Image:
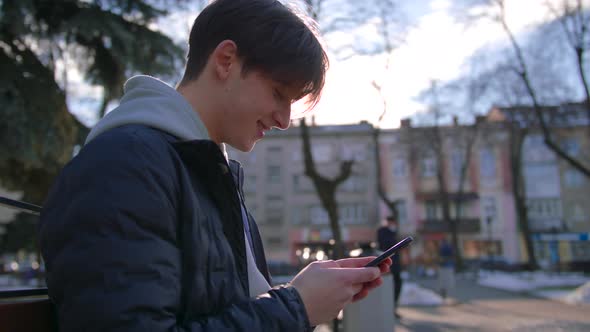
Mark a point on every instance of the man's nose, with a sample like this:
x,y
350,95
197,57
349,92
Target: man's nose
x,y
282,118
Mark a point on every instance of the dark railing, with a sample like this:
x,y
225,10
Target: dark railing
x,y
24,292
22,206
26,309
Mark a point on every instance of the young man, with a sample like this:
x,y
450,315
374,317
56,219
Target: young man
x,y
146,228
387,237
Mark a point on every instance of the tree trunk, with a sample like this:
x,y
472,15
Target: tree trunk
x,y
460,188
517,136
446,211
391,204
326,189
582,73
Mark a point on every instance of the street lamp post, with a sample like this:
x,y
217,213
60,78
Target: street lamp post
x,y
489,228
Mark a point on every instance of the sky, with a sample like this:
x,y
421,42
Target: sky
x,y
436,48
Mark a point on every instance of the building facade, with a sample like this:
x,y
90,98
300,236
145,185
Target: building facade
x,y
557,195
283,200
415,162
476,185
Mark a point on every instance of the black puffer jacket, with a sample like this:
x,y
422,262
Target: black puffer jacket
x,y
142,232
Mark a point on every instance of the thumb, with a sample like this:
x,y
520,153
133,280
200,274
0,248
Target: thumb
x,y
361,274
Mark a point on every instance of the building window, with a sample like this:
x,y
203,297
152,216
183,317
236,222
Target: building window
x,y
252,209
352,213
356,152
457,161
296,155
489,211
274,155
250,184
318,215
274,241
251,157
461,207
573,178
321,153
571,146
431,210
544,208
354,183
399,167
578,213
402,213
487,163
535,150
428,167
540,249
274,209
580,250
297,215
302,183
273,174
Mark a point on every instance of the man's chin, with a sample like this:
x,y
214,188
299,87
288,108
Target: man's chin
x,y
244,147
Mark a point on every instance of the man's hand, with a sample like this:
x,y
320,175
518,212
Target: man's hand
x,y
327,286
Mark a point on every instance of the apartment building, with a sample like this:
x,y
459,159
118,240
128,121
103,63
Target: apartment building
x,y
294,225
480,197
284,202
558,196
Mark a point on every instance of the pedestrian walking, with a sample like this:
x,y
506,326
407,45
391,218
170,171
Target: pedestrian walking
x,y
387,236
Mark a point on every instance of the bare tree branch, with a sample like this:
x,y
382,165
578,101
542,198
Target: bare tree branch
x,y
524,75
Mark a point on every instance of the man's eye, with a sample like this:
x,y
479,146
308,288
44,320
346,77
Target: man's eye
x,y
277,94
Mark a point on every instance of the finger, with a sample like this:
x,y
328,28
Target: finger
x,y
325,264
367,288
355,262
385,265
374,284
360,295
358,275
357,288
387,261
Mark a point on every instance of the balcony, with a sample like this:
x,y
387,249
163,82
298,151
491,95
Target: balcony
x,y
465,226
453,196
545,225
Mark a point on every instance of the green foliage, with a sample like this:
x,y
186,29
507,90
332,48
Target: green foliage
x,y
36,130
109,41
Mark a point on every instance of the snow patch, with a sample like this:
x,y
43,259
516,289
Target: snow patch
x,y
579,296
529,281
412,294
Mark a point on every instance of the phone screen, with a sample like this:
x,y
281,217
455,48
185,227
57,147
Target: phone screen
x,y
390,252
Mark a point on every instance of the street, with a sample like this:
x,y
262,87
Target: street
x,y
484,309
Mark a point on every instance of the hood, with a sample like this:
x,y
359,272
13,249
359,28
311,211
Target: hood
x,y
153,103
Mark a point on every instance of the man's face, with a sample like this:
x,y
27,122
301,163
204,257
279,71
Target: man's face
x,y
253,105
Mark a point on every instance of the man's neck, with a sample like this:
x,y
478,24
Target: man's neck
x,y
201,96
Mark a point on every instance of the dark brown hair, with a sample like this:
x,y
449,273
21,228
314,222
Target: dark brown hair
x,y
270,37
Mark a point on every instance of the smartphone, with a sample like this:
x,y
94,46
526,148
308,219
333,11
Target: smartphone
x,y
390,252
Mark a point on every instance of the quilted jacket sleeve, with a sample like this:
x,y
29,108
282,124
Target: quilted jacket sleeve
x,y
108,237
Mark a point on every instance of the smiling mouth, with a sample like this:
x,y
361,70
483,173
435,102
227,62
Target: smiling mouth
x,y
265,128
261,129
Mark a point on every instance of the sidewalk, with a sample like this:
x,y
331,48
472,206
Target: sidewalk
x,y
467,289
479,308
473,307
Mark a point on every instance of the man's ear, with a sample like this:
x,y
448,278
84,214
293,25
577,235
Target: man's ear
x,y
224,58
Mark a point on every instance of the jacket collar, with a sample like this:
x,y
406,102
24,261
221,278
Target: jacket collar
x,y
205,158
